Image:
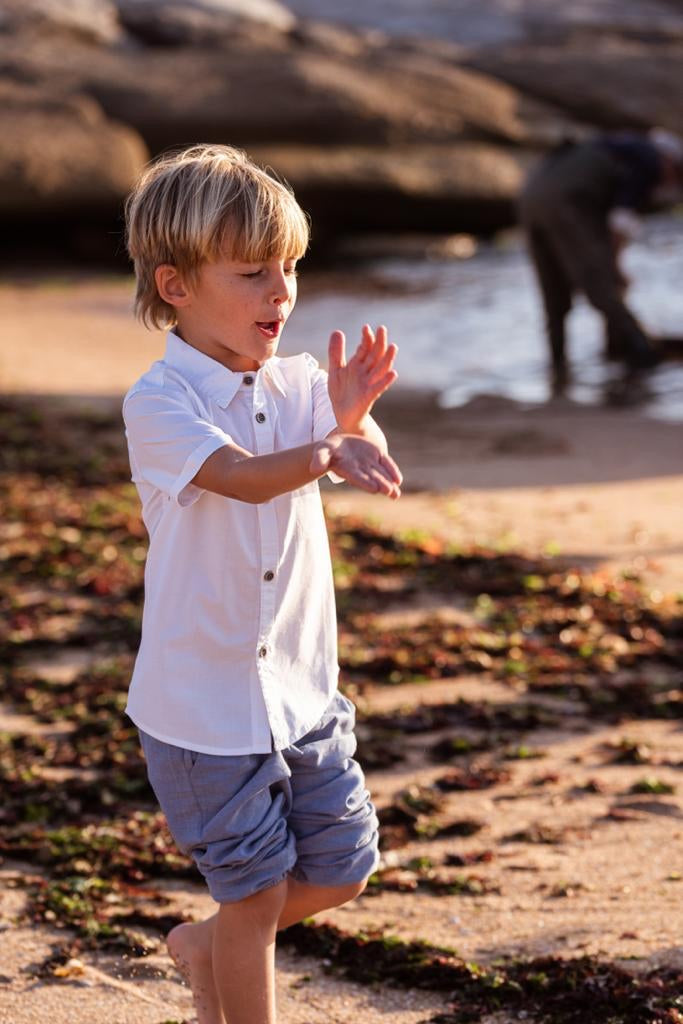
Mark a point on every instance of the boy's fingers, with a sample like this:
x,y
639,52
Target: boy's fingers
x,y
384,485
384,470
382,374
395,473
360,478
385,363
381,341
367,341
378,387
366,469
336,352
389,487
378,350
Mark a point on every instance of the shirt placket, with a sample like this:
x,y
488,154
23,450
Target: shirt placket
x,y
264,433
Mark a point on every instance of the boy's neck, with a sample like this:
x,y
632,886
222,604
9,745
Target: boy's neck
x,y
226,357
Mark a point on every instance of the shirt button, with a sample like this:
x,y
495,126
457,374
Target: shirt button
x,y
262,652
268,576
260,417
248,379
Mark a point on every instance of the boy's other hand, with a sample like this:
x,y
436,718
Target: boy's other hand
x,y
359,462
354,387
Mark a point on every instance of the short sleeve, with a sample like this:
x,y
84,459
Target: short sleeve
x,y
168,442
324,420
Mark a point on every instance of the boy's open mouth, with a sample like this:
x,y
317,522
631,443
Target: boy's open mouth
x,y
271,328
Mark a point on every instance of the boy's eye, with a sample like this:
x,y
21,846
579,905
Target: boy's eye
x,y
290,271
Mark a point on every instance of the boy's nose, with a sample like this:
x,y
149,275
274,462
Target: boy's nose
x,y
280,289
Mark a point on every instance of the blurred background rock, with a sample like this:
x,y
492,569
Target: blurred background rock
x,y
387,116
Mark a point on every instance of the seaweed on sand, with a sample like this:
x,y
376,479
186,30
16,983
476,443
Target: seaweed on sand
x,y
550,990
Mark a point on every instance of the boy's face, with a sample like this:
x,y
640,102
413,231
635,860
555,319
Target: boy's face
x,y
235,311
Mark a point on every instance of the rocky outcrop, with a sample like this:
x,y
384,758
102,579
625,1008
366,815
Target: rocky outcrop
x,y
200,22
91,20
65,157
409,188
304,91
606,62
605,81
155,22
374,131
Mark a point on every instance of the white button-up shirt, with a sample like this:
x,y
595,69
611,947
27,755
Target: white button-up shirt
x,y
238,651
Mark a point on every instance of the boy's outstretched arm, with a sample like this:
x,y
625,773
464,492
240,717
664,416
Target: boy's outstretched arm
x,y
357,451
354,387
235,473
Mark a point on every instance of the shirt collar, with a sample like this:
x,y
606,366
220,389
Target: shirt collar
x,y
210,376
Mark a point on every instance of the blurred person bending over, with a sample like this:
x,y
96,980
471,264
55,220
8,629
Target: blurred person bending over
x,y
579,209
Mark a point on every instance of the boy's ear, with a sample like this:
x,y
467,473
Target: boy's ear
x,y
171,286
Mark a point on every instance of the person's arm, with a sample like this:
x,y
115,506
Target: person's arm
x,y
354,387
625,225
235,473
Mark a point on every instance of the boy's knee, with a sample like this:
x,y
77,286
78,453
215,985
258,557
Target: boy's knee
x,y
350,891
262,908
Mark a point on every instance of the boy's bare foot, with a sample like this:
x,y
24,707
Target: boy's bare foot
x,y
190,947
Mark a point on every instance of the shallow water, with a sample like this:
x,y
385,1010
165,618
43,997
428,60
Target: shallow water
x,y
467,327
486,22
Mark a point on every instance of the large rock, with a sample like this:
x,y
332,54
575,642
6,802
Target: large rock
x,y
200,22
375,133
286,88
606,62
64,158
467,186
92,20
159,22
395,133
608,82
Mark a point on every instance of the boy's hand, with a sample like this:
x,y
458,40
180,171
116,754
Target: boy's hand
x,y
359,462
354,387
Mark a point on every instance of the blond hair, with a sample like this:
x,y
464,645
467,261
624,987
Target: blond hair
x,y
192,207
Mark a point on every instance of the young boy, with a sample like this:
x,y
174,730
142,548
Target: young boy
x,y
249,746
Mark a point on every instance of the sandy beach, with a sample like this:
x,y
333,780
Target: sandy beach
x,y
603,488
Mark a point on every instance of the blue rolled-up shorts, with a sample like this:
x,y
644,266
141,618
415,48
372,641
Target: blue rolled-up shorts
x,y
250,820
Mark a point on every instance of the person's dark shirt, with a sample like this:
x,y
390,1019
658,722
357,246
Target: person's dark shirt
x,y
640,166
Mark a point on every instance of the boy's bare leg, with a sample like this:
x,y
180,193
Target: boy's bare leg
x,y
305,900
244,956
190,945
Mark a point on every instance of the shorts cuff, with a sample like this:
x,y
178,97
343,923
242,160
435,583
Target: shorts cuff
x,y
225,888
356,868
